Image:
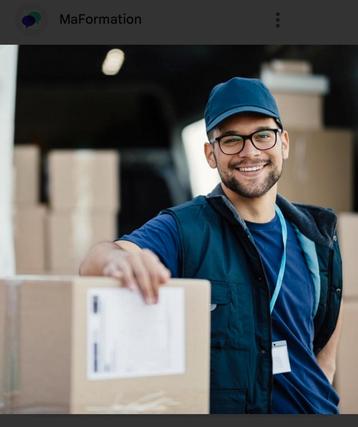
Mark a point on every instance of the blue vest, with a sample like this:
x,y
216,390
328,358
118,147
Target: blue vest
x,y
216,245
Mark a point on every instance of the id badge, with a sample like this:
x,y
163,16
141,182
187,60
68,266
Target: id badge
x,y
280,360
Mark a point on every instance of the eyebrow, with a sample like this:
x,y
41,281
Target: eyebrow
x,y
233,132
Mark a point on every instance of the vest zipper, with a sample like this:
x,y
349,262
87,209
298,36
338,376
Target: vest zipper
x,y
257,253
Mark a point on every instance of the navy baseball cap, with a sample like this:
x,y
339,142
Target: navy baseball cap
x,y
239,95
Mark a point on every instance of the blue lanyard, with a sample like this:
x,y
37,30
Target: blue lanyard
x,y
283,259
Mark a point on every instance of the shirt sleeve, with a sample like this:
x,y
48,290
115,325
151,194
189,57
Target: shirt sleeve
x,y
160,235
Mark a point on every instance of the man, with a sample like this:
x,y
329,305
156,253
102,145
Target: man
x,y
274,266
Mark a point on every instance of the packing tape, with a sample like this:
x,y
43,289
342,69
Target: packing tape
x,y
153,403
82,232
84,165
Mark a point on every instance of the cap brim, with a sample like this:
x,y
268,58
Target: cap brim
x,y
237,110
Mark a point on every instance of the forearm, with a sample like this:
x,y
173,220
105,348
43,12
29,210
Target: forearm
x,y
327,363
97,258
326,358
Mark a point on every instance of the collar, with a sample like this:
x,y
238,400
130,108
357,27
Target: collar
x,y
316,223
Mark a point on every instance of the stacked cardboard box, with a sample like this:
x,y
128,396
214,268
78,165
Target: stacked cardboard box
x,y
319,169
29,215
298,92
83,345
3,304
26,175
346,379
84,201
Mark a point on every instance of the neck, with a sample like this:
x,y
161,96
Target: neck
x,y
258,209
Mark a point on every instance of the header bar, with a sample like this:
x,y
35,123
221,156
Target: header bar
x,y
174,22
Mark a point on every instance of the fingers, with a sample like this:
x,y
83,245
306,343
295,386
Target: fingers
x,y
159,273
139,270
156,275
120,269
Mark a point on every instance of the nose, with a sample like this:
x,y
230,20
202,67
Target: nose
x,y
249,149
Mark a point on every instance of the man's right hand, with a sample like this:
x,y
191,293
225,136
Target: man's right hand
x,y
138,269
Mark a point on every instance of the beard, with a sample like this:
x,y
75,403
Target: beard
x,y
254,189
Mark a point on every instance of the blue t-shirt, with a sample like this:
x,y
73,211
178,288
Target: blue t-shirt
x,y
161,236
305,389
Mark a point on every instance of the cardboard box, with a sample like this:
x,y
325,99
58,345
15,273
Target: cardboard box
x,y
295,82
299,95
71,235
348,240
26,174
300,110
84,179
346,378
29,231
3,395
57,327
319,169
288,66
8,343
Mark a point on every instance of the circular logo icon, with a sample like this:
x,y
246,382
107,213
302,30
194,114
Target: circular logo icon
x,y
33,18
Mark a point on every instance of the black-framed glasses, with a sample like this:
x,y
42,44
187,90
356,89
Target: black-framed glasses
x,y
232,143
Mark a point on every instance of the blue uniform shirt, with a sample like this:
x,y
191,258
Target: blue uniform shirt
x,y
305,389
161,236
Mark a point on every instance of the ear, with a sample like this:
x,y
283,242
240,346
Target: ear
x,y
285,144
209,154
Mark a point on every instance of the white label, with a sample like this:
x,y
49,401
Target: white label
x,y
280,360
128,338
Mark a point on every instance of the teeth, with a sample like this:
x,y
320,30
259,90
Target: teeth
x,y
251,169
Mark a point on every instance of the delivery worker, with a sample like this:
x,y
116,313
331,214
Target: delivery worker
x,y
274,266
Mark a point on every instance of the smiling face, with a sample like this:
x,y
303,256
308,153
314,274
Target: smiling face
x,y
251,173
